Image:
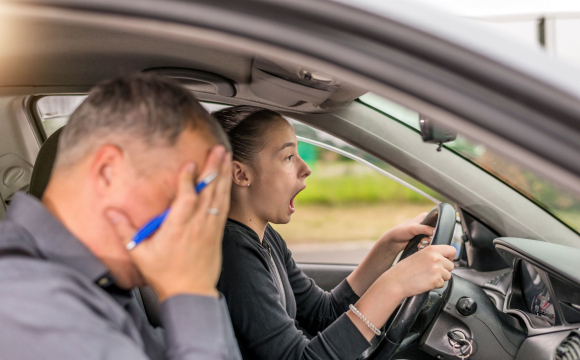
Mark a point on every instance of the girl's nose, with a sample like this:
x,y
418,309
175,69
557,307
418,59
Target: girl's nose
x,y
307,170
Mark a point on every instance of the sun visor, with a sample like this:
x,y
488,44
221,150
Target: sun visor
x,y
290,85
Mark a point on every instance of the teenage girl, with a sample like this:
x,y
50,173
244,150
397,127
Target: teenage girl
x,y
270,299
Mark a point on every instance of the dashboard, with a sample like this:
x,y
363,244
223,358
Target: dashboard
x,y
537,297
534,314
544,294
545,284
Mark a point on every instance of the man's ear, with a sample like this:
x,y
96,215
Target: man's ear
x,y
106,167
240,175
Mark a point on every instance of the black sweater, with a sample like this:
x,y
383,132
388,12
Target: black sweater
x,y
265,324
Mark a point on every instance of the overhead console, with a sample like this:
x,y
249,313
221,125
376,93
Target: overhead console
x,y
291,85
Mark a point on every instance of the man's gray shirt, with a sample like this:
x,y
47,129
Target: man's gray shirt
x,y
57,301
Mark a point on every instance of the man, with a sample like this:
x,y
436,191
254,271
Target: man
x,y
134,148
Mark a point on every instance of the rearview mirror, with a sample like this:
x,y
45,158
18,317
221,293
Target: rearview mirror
x,y
435,133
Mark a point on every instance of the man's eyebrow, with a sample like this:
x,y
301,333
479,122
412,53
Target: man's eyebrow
x,y
288,144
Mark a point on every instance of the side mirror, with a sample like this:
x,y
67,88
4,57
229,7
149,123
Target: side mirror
x,y
435,133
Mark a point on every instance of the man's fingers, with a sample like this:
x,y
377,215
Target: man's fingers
x,y
213,164
221,199
184,203
121,224
188,202
186,179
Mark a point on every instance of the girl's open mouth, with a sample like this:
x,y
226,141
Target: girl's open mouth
x,y
291,205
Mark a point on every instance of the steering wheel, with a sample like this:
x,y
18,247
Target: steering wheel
x,y
442,218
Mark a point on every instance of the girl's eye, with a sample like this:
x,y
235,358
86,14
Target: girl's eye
x,y
289,157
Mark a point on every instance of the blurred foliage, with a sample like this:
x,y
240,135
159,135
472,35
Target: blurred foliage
x,y
562,203
343,181
356,189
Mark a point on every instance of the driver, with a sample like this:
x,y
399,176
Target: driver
x,y
270,299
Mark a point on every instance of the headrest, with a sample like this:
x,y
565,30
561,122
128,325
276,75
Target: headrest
x,y
43,165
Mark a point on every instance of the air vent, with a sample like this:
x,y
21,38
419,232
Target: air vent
x,y
569,349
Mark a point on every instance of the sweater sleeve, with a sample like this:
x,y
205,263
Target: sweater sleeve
x,y
262,326
316,308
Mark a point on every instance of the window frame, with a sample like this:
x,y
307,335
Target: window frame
x,y
34,117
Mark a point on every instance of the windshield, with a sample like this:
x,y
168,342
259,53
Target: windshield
x,y
562,204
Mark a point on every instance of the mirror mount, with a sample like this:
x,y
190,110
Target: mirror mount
x,y
435,133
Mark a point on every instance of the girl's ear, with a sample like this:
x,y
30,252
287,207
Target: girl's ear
x,y
240,174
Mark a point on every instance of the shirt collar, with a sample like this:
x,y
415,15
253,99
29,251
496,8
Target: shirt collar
x,y
244,228
265,243
53,240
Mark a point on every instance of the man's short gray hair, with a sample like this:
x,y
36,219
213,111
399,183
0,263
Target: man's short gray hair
x,y
140,107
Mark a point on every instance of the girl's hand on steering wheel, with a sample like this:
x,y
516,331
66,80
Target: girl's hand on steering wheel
x,y
397,238
422,271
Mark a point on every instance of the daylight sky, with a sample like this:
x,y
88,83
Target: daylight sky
x,y
478,8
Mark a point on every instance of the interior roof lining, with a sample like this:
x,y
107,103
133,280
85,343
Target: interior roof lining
x,y
53,61
211,37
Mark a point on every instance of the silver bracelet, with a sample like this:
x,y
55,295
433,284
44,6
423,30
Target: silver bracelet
x,y
365,320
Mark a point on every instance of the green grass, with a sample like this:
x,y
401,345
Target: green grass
x,y
366,188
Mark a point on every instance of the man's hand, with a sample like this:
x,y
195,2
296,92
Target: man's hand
x,y
184,255
397,238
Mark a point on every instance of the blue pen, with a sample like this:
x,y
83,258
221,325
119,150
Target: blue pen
x,y
154,224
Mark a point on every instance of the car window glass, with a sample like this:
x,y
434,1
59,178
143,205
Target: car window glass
x,y
54,111
559,202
